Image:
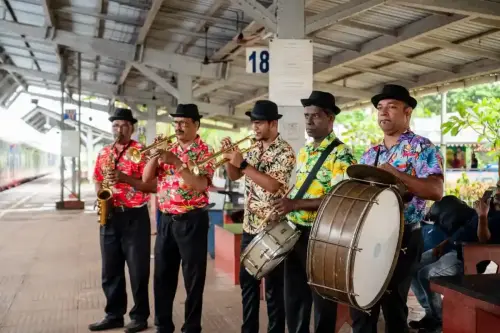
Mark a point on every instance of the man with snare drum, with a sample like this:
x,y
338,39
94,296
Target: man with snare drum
x,y
268,167
321,165
417,163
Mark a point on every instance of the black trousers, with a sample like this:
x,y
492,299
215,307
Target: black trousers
x,y
126,238
181,238
393,303
299,297
250,296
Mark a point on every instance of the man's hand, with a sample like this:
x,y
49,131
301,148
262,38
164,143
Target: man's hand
x,y
226,143
168,157
234,157
482,207
115,176
389,168
438,251
284,206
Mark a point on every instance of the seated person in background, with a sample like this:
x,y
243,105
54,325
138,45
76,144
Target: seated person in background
x,y
445,259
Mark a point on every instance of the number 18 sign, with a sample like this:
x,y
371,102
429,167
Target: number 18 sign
x,y
257,60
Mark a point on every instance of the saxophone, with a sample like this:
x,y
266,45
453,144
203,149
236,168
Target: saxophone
x,y
105,194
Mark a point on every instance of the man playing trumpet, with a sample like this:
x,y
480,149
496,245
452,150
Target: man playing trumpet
x,y
183,227
268,167
126,234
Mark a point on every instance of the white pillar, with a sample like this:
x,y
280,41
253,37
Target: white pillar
x,y
151,124
442,141
185,87
90,154
291,71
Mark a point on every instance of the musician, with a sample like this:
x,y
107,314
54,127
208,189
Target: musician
x,y
267,170
333,158
126,236
182,234
416,162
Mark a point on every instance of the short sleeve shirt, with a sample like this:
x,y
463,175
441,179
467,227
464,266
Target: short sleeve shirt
x,y
414,155
331,172
174,195
277,161
124,195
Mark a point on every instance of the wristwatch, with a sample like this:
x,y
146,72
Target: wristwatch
x,y
243,165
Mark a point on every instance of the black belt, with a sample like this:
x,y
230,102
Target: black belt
x,y
123,209
190,214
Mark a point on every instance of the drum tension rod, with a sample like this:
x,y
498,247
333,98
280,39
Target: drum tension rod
x,y
332,289
353,198
345,247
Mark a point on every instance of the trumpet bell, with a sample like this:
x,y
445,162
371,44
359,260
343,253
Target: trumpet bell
x,y
134,154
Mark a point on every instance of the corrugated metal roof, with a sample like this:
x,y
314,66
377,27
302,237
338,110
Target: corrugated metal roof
x,y
179,27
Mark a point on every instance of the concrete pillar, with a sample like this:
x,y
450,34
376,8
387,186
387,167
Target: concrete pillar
x,y
151,124
185,87
90,153
291,71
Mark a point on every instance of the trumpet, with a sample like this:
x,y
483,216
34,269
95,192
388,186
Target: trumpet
x,y
224,160
196,168
135,155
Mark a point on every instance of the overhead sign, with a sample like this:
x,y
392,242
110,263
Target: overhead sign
x,y
70,143
257,60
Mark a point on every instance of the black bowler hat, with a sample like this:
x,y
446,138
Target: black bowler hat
x,y
323,100
264,110
394,91
187,111
123,114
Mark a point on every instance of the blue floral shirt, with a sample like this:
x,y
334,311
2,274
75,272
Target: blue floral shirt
x,y
413,155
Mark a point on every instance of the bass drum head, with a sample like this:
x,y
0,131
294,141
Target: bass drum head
x,y
379,238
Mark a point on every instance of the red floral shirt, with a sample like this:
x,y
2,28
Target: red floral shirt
x,y
174,196
123,194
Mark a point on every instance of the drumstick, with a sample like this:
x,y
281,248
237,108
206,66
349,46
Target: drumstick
x,y
266,219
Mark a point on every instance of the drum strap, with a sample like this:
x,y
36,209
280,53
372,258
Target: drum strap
x,y
310,177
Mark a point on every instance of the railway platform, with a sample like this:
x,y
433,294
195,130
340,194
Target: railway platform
x,y
50,269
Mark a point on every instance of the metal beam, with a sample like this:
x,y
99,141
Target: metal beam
x,y
480,8
405,34
117,50
460,48
339,13
160,81
258,12
148,22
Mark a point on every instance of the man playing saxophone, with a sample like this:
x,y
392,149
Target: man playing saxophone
x,y
125,236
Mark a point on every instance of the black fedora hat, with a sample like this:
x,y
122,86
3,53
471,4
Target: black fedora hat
x,y
397,92
264,110
323,100
123,114
187,111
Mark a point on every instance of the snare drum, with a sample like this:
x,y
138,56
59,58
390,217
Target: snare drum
x,y
355,242
268,249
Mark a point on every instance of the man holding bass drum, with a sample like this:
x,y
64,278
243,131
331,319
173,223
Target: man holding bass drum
x,y
321,165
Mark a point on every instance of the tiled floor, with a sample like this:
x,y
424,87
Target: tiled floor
x,y
50,269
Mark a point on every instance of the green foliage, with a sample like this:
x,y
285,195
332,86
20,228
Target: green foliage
x,y
361,130
467,190
482,116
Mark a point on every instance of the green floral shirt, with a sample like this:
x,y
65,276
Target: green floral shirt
x,y
331,172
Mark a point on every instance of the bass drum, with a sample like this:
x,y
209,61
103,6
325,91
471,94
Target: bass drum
x,y
355,241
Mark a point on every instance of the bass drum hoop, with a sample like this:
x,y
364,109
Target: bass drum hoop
x,y
355,240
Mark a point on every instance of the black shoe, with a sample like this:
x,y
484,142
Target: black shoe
x,y
136,326
106,324
427,322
